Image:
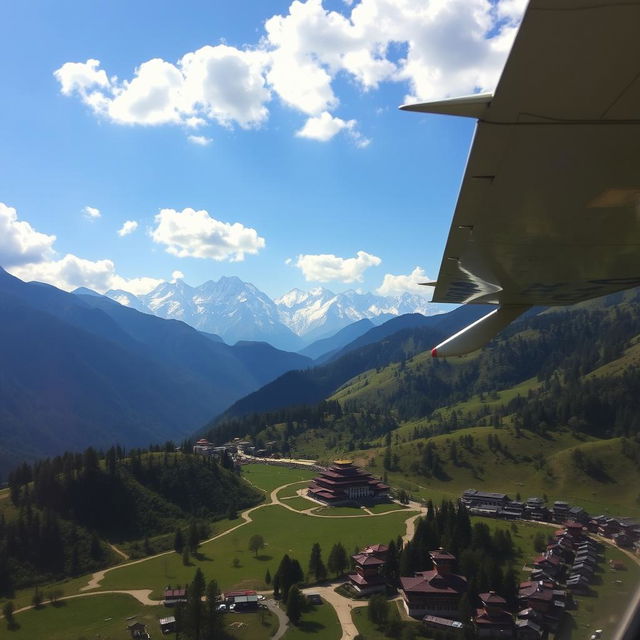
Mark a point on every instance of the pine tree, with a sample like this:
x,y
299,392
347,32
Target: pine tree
x,y
315,561
338,561
267,578
295,602
212,620
178,541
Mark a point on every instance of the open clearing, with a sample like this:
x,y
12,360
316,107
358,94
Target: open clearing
x,y
103,616
319,621
284,531
269,476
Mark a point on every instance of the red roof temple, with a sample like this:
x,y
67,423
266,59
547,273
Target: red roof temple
x,y
343,483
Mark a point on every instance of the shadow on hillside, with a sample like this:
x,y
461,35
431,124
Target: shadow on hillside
x,y
310,626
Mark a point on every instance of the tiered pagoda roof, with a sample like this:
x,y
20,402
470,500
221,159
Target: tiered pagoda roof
x,y
343,482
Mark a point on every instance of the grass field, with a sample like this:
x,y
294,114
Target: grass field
x,y
529,464
276,525
339,511
259,625
269,476
386,507
102,616
292,490
320,622
605,608
106,617
300,504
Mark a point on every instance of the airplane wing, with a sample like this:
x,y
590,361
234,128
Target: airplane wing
x,y
549,208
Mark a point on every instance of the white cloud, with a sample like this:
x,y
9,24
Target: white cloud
x,y
324,127
81,77
92,213
433,49
29,255
177,275
196,234
396,285
328,267
71,272
201,141
20,243
128,227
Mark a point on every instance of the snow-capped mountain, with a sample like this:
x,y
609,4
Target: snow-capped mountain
x,y
320,312
233,309
236,310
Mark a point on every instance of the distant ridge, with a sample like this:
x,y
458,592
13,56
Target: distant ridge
x,y
80,370
237,310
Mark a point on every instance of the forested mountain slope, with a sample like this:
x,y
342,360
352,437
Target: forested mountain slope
x,y
61,512
575,366
78,370
312,385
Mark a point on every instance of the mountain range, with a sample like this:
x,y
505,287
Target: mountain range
x,y
237,310
80,369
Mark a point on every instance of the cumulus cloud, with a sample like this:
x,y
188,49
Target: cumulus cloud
x,y
20,243
323,127
30,255
92,213
431,49
328,267
201,141
177,275
71,272
191,233
397,285
128,227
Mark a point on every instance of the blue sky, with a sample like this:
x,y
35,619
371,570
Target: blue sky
x,y
257,139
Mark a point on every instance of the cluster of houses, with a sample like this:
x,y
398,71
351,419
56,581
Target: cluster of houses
x,y
625,532
565,568
205,448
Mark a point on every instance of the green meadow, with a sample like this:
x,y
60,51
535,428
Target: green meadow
x,y
284,531
318,621
269,476
101,616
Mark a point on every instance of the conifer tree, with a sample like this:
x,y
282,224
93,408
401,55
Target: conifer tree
x,y
295,602
178,541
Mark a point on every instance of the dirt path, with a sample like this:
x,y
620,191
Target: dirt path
x,y
141,595
272,605
98,576
343,607
367,514
120,552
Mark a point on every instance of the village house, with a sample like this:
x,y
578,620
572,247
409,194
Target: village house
x,y
475,498
167,625
138,631
367,577
173,597
492,620
344,483
436,592
528,630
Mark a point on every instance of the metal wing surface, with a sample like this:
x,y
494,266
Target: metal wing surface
x,y
549,208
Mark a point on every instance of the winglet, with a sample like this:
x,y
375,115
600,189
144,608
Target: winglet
x,y
473,106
